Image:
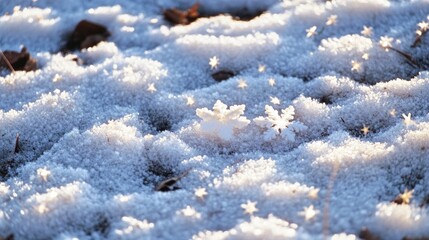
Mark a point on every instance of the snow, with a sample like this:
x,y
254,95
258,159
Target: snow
x,y
275,152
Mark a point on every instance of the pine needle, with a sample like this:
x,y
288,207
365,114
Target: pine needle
x,y
7,62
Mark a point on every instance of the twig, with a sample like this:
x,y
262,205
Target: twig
x,y
165,185
17,147
419,38
407,57
328,200
7,61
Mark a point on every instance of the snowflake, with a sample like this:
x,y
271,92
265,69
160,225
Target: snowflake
x,y
311,31
407,119
332,20
249,207
279,124
214,62
242,84
190,100
365,130
313,193
271,82
309,212
386,42
275,100
404,198
222,121
367,31
200,193
151,87
43,173
356,66
424,26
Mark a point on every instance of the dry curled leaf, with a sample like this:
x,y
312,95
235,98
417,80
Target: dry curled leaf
x,y
86,34
365,234
176,16
246,15
168,184
223,75
19,61
326,99
416,238
8,237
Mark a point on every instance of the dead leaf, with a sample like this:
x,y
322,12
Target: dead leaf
x,y
5,166
365,234
246,15
223,75
8,237
86,34
185,17
176,16
326,99
19,61
416,238
168,184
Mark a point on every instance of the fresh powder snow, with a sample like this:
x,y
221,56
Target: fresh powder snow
x,y
308,121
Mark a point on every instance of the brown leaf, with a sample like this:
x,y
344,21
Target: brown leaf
x,y
86,34
176,16
192,13
5,166
326,99
168,184
223,75
246,15
8,237
416,238
365,234
19,61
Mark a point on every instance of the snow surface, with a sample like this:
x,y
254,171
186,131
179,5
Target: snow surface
x,y
284,133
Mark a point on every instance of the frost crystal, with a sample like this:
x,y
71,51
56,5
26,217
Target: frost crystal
x,y
222,121
249,207
311,31
279,124
367,31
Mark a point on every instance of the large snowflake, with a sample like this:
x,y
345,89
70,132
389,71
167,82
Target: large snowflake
x,y
222,121
279,124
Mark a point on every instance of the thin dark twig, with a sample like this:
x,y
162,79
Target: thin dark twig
x,y
7,61
17,147
407,57
327,200
419,38
165,185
